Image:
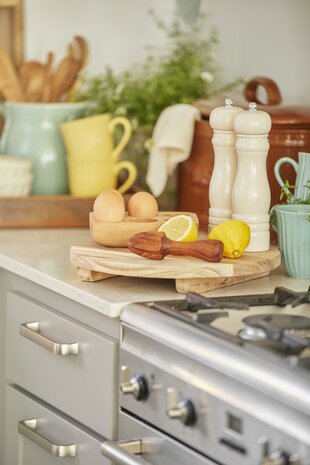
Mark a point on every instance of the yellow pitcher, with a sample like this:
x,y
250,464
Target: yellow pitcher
x,y
92,156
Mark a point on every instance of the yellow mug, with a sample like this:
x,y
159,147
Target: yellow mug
x,y
87,178
93,136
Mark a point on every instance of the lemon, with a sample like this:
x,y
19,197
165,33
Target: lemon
x,y
180,228
235,236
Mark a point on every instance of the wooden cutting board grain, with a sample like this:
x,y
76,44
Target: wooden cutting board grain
x,y
95,262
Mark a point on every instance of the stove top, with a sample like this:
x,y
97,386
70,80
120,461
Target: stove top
x,y
241,364
277,322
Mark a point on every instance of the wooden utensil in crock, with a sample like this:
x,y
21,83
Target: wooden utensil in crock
x,y
290,134
10,85
32,78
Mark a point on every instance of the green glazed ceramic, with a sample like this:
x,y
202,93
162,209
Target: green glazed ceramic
x,y
302,169
32,130
293,230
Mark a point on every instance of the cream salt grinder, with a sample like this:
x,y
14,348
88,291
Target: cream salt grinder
x,y
225,163
251,191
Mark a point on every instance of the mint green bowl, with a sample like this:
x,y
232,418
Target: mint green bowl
x,y
293,228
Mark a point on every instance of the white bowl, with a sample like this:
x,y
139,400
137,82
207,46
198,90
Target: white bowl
x,y
18,187
12,167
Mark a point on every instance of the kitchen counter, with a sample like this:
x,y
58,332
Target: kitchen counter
x,y
43,256
39,284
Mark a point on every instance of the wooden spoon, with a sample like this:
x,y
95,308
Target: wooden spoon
x,y
80,50
48,77
32,78
64,77
156,245
10,85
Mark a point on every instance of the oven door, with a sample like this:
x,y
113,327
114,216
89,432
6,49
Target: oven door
x,y
142,445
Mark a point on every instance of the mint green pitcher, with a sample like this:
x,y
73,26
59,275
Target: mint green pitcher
x,y
32,130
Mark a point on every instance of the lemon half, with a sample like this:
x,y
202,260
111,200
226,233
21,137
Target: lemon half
x,y
235,236
180,228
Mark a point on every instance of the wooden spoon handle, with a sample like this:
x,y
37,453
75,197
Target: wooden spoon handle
x,y
210,250
47,86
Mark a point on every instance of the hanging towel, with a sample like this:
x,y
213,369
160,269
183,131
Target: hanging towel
x,y
172,142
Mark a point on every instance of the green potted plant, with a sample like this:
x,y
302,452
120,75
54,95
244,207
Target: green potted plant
x,y
183,72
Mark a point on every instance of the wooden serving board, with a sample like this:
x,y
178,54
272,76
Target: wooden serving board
x,y
95,262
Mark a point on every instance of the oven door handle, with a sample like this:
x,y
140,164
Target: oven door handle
x,y
125,452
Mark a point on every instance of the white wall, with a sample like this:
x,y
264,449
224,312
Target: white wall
x,y
257,37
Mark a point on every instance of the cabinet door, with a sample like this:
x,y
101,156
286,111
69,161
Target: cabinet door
x,y
82,384
34,442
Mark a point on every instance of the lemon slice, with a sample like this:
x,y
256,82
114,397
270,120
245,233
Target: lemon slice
x,y
180,228
235,236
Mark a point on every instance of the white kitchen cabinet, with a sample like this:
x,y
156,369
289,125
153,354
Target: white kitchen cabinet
x,y
80,384
37,435
74,396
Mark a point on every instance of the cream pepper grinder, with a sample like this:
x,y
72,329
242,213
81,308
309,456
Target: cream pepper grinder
x,y
225,163
251,191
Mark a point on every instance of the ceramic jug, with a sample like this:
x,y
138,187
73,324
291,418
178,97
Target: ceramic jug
x,y
32,130
302,169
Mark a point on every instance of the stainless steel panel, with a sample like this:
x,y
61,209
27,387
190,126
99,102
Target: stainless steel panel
x,y
219,400
166,452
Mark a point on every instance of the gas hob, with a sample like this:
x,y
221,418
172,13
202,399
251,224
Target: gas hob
x,y
226,377
278,323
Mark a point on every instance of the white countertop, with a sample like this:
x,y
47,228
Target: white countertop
x,y
43,256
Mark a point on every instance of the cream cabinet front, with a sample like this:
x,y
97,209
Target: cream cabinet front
x,y
62,362
58,377
36,435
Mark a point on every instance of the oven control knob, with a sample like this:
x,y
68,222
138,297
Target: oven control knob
x,y
135,385
182,410
276,457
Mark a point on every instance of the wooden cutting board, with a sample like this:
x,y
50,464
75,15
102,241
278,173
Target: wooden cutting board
x,y
95,262
11,29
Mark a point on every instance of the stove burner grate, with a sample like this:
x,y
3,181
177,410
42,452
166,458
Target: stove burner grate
x,y
280,297
287,334
289,331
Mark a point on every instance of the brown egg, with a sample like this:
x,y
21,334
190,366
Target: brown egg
x,y
109,206
143,205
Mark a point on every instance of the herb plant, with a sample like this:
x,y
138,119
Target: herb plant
x,y
290,198
183,72
286,193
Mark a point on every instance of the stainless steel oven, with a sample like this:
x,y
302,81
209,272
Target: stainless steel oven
x,y
211,381
148,446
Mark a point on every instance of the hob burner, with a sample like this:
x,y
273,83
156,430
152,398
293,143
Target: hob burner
x,y
238,320
292,332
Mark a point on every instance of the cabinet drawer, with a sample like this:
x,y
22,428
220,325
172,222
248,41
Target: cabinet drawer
x,y
83,384
53,434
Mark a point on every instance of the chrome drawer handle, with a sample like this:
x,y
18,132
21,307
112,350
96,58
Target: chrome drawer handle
x,y
124,452
28,429
31,331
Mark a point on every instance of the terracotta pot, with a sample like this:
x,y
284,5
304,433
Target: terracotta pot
x,y
290,134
